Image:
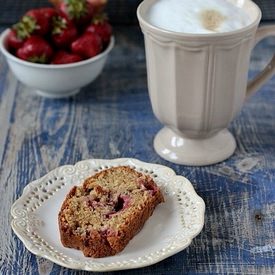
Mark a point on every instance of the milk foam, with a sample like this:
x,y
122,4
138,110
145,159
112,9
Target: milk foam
x,y
198,16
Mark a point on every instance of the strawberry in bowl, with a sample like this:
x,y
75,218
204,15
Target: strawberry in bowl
x,y
55,50
64,77
35,49
70,25
88,45
63,57
79,11
101,27
63,32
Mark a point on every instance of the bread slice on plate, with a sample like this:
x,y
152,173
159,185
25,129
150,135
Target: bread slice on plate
x,y
102,215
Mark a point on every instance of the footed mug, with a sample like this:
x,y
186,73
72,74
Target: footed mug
x,y
197,84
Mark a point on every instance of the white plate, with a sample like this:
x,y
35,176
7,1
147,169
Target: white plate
x,y
169,230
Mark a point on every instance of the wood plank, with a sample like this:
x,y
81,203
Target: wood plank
x,y
112,118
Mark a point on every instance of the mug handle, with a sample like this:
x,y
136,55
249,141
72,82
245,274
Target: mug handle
x,y
256,83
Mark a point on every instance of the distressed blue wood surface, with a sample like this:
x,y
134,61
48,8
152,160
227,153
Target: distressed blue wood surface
x,y
112,118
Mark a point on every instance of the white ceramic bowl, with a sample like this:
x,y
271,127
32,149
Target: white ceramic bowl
x,y
55,81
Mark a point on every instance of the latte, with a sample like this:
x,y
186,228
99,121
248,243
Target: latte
x,y
198,16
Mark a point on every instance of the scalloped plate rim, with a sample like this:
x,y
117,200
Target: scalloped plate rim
x,y
27,243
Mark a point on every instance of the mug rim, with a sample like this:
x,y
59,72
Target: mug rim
x,y
172,34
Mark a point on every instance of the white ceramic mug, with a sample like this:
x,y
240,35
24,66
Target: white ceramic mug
x,y
198,83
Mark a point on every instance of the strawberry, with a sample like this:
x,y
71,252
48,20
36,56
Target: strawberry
x,y
33,22
62,57
63,32
13,40
87,45
35,49
79,11
101,27
38,20
49,12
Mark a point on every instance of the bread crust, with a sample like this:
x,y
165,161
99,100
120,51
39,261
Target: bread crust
x,y
102,243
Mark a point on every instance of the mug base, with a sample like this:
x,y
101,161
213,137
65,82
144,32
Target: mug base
x,y
194,152
57,94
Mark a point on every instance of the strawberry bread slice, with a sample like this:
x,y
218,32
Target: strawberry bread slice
x,y
101,216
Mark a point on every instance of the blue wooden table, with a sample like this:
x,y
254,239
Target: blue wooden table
x,y
112,118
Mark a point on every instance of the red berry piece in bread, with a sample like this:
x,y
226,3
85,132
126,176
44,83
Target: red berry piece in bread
x,y
101,27
63,32
14,41
87,45
35,49
63,57
79,11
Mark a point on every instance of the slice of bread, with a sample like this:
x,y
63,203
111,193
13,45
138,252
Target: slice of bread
x,y
101,216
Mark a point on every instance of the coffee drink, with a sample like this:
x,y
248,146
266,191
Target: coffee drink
x,y
198,16
197,60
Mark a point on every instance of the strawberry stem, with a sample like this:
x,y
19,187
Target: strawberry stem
x,y
59,24
76,8
25,27
38,59
100,18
